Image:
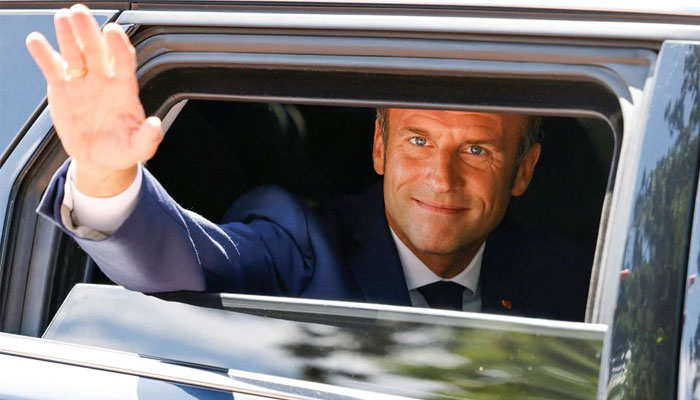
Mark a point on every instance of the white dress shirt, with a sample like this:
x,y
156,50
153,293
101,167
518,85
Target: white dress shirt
x,y
418,275
105,215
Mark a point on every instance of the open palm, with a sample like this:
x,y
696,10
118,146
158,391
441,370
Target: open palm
x,y
93,93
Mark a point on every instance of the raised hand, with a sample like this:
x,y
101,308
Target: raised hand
x,y
94,101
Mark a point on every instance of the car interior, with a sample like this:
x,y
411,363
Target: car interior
x,y
318,152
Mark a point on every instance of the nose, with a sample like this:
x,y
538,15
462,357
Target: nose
x,y
443,174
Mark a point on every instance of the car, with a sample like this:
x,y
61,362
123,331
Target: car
x,y
290,88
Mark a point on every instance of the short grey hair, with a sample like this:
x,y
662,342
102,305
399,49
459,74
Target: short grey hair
x,y
533,132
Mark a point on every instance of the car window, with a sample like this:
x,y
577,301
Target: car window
x,y
22,86
216,150
415,353
384,349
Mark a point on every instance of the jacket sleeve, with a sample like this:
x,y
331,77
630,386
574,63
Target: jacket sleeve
x,y
163,247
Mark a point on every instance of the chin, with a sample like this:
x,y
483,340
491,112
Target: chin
x,y
446,241
436,245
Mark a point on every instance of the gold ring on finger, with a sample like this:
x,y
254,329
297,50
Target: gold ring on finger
x,y
75,73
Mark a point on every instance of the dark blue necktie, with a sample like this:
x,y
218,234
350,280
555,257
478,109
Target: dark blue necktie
x,y
445,295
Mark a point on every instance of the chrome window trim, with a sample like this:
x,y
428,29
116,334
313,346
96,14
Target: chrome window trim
x,y
357,310
593,6
570,28
566,329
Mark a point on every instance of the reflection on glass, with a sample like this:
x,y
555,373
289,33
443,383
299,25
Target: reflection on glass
x,y
689,371
409,353
644,348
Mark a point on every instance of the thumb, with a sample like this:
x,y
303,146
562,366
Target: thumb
x,y
145,141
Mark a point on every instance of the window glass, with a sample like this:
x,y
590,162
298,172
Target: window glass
x,y
22,87
392,350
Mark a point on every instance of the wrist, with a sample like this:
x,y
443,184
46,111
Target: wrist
x,y
97,181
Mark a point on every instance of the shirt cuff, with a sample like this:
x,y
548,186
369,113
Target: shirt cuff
x,y
101,214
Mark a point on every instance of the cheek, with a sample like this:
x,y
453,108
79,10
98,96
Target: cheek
x,y
401,172
488,187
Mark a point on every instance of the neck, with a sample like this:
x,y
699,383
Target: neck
x,y
445,266
448,266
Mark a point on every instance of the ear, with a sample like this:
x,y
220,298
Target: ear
x,y
378,150
525,170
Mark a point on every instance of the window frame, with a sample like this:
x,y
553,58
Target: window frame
x,y
174,55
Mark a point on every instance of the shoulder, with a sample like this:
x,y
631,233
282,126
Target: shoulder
x,y
341,217
543,250
549,274
265,202
359,215
276,203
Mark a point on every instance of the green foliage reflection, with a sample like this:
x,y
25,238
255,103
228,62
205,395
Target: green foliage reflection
x,y
443,362
644,362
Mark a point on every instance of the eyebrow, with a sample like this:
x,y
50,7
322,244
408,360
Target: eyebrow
x,y
423,132
414,130
482,141
417,131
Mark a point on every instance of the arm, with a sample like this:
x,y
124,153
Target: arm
x,y
162,247
102,214
93,96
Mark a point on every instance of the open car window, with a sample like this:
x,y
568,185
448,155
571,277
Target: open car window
x,y
318,152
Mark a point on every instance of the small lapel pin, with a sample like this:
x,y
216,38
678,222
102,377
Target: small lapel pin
x,y
506,303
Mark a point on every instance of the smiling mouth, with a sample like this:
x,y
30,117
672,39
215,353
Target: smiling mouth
x,y
442,209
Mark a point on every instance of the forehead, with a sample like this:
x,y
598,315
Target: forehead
x,y
443,119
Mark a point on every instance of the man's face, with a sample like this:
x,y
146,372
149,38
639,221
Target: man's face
x,y
449,175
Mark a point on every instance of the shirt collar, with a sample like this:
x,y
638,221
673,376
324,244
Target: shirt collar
x,y
418,274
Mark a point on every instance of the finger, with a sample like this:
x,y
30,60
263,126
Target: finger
x,y
88,33
123,53
48,60
146,140
67,42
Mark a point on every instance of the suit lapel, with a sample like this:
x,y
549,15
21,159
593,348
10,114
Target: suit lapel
x,y
373,257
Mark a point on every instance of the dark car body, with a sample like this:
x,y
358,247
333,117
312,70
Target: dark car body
x,y
636,72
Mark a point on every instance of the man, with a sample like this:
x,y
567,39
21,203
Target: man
x,y
427,237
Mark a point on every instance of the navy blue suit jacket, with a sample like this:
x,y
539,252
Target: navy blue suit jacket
x,y
270,243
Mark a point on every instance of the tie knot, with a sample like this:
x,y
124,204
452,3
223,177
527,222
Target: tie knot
x,y
446,295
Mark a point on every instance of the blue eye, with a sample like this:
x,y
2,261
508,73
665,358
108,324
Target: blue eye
x,y
418,141
476,150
